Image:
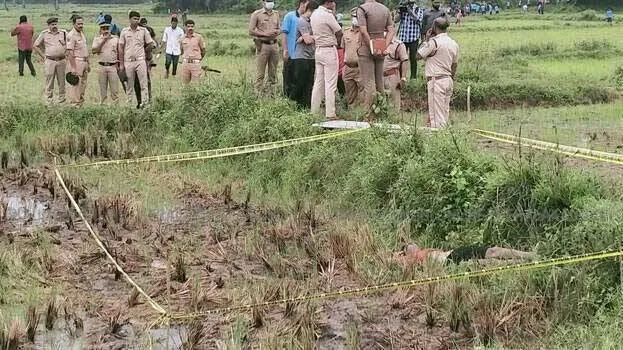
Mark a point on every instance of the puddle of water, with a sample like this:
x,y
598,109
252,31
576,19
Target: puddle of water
x,y
21,208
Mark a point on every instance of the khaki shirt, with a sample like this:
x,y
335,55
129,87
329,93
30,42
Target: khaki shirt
x,y
77,42
265,22
397,54
440,52
134,41
351,41
53,44
324,26
192,46
376,18
108,52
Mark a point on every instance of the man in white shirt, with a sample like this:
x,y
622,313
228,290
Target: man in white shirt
x,y
172,39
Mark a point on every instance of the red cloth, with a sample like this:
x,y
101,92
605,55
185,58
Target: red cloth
x,y
340,58
24,32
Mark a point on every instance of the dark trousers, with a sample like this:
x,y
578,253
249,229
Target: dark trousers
x,y
171,59
341,89
25,56
304,82
137,88
289,77
412,50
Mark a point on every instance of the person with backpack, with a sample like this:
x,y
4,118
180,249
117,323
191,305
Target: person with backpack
x,y
395,74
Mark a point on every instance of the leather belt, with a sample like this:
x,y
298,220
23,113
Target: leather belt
x,y
54,58
85,59
437,77
390,72
269,42
134,59
190,60
107,64
326,46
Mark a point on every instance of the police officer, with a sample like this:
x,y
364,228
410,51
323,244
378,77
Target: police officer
x,y
51,46
105,45
442,55
374,21
134,42
193,51
395,74
351,41
78,57
264,28
430,15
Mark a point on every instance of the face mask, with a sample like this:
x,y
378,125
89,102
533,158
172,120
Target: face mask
x,y
354,22
269,5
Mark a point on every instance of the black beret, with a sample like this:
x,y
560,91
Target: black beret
x,y
52,20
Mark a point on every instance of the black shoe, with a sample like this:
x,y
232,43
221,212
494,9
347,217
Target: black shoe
x,y
33,74
21,74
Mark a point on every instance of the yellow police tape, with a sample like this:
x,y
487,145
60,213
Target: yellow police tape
x,y
411,283
219,153
101,245
552,147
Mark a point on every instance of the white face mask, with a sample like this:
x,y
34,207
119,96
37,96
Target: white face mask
x,y
354,22
269,5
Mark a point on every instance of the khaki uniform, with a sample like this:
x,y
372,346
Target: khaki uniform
x,y
191,48
107,74
135,60
324,26
54,47
77,43
440,53
377,19
352,78
393,70
267,49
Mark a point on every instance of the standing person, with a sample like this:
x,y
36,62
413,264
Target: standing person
x,y
411,17
134,43
288,43
193,51
609,15
459,17
340,60
327,34
264,28
374,21
304,62
540,6
442,55
149,56
105,45
395,75
435,12
114,28
78,57
51,46
171,40
24,32
353,88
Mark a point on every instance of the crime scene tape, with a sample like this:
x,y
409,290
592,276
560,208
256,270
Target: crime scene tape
x,y
552,147
218,153
411,283
101,245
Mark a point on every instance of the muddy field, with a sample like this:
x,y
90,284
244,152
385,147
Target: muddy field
x,y
211,252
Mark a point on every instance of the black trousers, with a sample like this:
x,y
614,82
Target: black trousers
x,y
25,56
137,88
304,82
171,59
289,77
412,50
341,88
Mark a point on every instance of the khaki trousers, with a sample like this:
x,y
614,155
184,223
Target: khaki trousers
x,y
107,77
353,86
268,55
133,69
439,94
325,80
371,75
392,87
54,70
191,72
76,92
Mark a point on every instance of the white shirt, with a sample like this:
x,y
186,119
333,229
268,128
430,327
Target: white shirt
x,y
173,38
